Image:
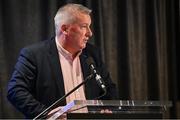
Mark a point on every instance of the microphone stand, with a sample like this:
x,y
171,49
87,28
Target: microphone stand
x,y
44,113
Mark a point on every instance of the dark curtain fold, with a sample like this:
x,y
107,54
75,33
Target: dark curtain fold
x,y
138,40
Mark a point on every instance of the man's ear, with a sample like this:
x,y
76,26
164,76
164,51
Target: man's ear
x,y
64,29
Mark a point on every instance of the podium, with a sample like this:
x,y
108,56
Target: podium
x,y
117,109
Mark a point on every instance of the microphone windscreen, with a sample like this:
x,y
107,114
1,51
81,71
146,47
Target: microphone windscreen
x,y
90,61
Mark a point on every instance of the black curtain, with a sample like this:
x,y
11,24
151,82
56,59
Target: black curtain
x,y
138,40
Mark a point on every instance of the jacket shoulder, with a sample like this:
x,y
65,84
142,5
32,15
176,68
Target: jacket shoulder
x,y
39,47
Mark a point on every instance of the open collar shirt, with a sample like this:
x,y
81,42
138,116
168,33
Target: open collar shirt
x,y
72,73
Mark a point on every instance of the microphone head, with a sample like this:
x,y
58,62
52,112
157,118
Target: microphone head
x,y
91,64
90,61
97,76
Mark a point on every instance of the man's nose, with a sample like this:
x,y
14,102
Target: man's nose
x,y
89,32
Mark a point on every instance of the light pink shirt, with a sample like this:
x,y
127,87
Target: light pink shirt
x,y
72,73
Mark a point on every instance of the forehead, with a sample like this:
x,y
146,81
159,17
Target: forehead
x,y
83,18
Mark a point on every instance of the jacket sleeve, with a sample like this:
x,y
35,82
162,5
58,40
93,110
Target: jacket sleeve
x,y
22,83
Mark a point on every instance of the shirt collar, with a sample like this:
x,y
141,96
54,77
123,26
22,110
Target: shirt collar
x,y
64,52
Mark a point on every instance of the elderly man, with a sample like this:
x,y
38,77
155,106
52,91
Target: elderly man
x,y
49,69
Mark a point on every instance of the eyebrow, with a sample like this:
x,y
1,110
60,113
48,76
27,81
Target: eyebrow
x,y
85,24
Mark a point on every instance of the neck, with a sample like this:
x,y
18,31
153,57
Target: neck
x,y
62,41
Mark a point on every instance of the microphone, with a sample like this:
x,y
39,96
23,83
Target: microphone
x,y
44,113
97,77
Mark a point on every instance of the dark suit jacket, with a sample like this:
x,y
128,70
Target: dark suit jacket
x,y
37,80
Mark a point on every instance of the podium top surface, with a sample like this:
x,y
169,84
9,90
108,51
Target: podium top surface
x,y
116,106
121,103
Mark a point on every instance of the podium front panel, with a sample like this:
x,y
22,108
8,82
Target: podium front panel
x,y
89,109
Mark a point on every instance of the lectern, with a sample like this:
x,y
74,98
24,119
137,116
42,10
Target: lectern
x,y
119,109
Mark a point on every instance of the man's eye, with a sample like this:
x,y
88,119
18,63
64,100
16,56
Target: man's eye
x,y
83,26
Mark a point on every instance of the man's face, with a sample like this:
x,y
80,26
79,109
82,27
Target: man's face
x,y
78,33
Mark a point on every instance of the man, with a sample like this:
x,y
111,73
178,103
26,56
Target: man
x,y
48,70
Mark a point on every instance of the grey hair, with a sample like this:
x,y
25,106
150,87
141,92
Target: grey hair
x,y
68,14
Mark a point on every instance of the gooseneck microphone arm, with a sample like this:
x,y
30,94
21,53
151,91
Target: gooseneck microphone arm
x,y
44,113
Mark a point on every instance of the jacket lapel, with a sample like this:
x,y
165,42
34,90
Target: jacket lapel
x,y
86,73
84,66
55,65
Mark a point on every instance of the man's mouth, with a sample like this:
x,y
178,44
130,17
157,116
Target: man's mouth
x,y
86,40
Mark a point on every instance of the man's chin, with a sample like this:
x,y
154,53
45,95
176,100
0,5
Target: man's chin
x,y
82,47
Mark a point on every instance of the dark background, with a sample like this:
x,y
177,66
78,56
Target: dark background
x,y
138,40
